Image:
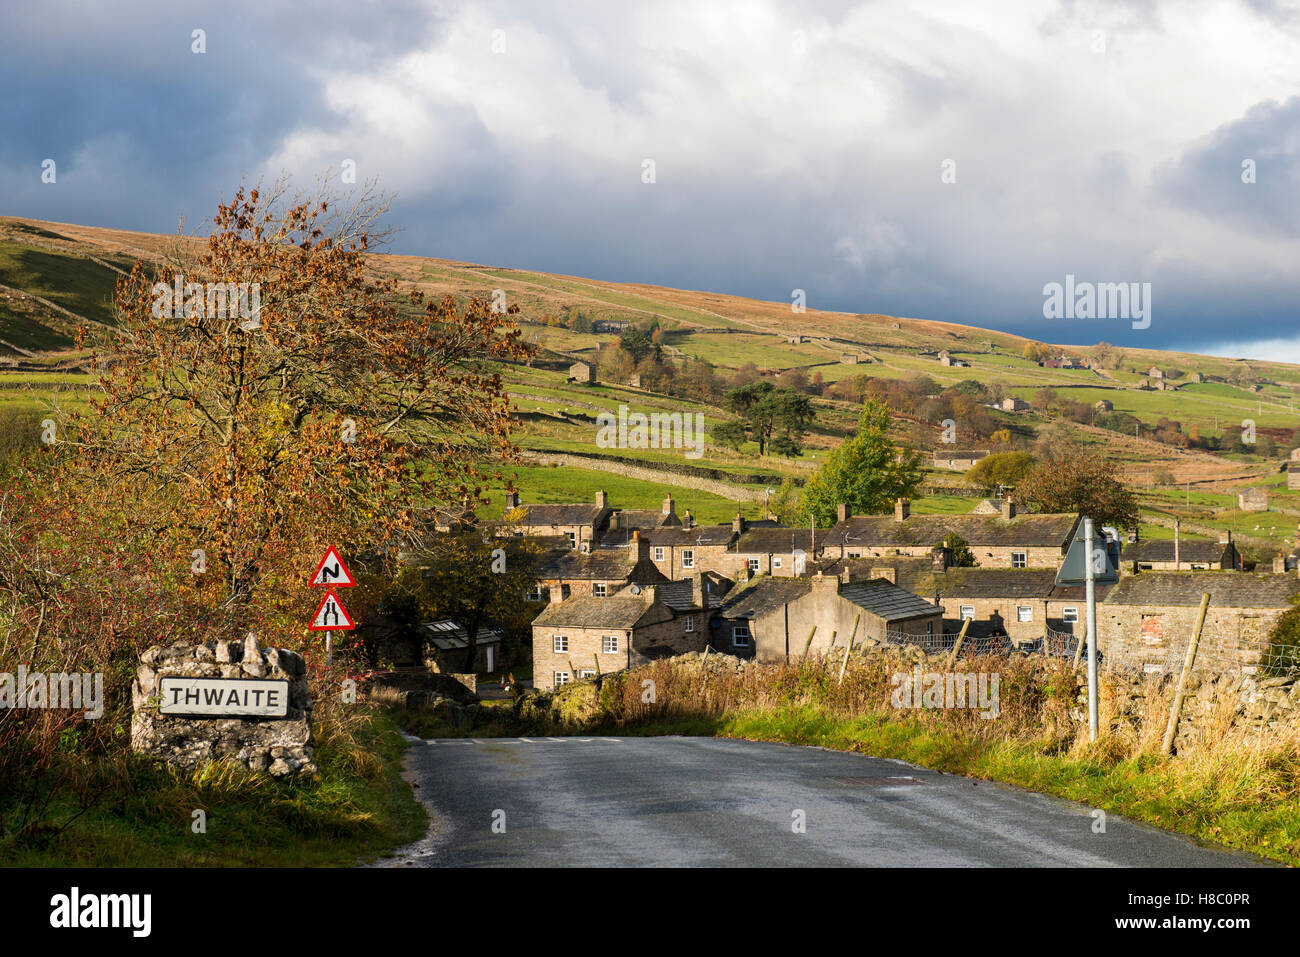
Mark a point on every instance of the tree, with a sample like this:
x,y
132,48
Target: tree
x,y
1034,351
321,417
766,409
867,472
1001,468
730,434
1085,484
962,556
478,581
784,505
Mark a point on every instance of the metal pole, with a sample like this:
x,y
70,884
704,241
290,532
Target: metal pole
x,y
329,647
1092,632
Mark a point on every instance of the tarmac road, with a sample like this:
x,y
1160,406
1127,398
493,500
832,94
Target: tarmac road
x,y
680,802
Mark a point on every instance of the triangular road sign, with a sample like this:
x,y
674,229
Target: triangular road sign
x,y
1074,570
332,573
331,615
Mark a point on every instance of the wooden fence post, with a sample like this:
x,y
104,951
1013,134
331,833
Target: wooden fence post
x,y
849,647
1175,710
956,645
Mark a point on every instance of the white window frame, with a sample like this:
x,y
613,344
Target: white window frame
x,y
659,553
737,633
690,622
609,645
1024,560
966,612
599,589
776,562
688,558
586,673
1070,614
560,644
561,678
753,565
1024,613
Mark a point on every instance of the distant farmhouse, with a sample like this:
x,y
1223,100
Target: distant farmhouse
x,y
1012,404
946,359
609,325
1104,405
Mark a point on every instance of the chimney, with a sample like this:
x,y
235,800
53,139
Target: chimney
x,y
557,593
697,590
640,547
668,505
738,524
888,573
902,509
821,582
843,512
602,500
688,521
613,521
1225,536
1279,564
1008,508
512,500
1177,564
941,558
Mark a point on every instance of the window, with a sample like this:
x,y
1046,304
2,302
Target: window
x,y
690,622
752,565
855,554
560,643
573,539
688,558
561,678
968,612
776,563
587,673
535,594
609,644
1070,614
740,636
598,589
1019,560
659,553
1024,613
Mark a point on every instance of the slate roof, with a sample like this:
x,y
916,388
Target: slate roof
x,y
778,541
699,535
1012,583
1205,550
763,595
679,595
1050,530
617,612
1228,589
554,514
888,601
908,571
599,565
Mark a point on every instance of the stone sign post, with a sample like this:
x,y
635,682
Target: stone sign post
x,y
226,699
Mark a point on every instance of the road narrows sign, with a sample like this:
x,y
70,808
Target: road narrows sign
x,y
332,573
331,615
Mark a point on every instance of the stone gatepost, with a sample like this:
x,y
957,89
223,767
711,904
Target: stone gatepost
x,y
202,702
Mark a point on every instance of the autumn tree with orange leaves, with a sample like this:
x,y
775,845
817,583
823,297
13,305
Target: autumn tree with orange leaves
x,y
334,414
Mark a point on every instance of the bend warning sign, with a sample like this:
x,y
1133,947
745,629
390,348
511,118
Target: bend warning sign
x,y
331,615
332,573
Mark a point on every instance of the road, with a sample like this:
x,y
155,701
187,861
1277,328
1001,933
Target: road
x,y
672,801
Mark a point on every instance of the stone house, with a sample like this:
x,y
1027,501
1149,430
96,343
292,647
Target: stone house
x,y
582,637
1012,404
959,460
582,372
1008,540
1017,602
681,552
1104,405
578,523
596,573
1195,377
850,358
1253,500
622,524
609,325
775,619
1146,621
1155,372
1293,474
772,550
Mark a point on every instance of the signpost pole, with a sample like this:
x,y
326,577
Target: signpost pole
x,y
329,647
1092,630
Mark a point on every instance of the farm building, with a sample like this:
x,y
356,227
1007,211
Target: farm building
x,y
1253,500
1195,377
1155,372
1012,404
609,325
1104,405
582,372
850,358
959,460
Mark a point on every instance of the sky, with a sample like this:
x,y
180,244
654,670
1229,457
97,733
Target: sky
x,y
940,160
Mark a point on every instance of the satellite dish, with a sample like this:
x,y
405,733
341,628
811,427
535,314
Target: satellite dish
x,y
634,589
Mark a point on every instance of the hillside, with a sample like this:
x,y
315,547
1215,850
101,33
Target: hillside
x,y
54,276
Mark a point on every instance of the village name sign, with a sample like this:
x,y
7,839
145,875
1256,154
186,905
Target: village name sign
x,y
224,697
